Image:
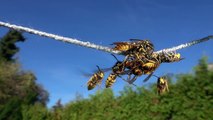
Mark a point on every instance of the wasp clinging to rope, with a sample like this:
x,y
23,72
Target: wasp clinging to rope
x,y
136,47
139,60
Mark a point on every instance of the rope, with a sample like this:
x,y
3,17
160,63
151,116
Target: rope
x,y
59,38
92,45
194,42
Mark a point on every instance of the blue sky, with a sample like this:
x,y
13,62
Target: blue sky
x,y
59,67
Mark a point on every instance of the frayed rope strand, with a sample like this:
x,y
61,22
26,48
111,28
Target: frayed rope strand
x,y
92,45
59,38
194,42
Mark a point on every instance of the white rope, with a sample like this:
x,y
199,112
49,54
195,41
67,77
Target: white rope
x,y
92,45
59,38
186,44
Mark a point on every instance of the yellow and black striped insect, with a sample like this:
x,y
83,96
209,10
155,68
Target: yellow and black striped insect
x,y
139,60
117,69
123,46
170,57
162,85
96,79
111,80
142,68
135,46
150,66
144,47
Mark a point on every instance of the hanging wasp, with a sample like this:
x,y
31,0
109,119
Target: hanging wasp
x,y
139,60
150,66
162,85
95,79
147,66
156,60
120,68
117,69
143,68
139,67
137,52
111,80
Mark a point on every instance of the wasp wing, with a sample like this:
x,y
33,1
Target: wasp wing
x,y
95,71
121,43
126,80
133,39
87,74
148,77
103,70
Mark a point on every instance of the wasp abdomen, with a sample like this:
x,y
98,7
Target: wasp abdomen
x,y
95,79
122,46
111,80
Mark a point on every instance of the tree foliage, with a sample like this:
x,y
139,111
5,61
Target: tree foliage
x,y
8,47
18,88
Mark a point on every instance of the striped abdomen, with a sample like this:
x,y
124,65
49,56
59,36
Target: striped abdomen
x,y
111,80
150,67
94,80
122,46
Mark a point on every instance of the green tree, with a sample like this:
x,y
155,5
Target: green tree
x,y
17,87
35,112
7,45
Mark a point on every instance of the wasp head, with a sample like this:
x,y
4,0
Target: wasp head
x,y
162,80
173,57
101,74
177,57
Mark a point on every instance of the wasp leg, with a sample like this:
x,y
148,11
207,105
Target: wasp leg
x,y
99,86
148,77
127,56
126,80
129,78
137,56
133,79
167,87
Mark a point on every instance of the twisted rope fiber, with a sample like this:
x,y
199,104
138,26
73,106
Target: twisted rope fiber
x,y
92,45
59,38
185,45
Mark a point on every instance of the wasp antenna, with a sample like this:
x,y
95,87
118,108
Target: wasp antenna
x,y
182,59
156,76
115,57
98,67
133,39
